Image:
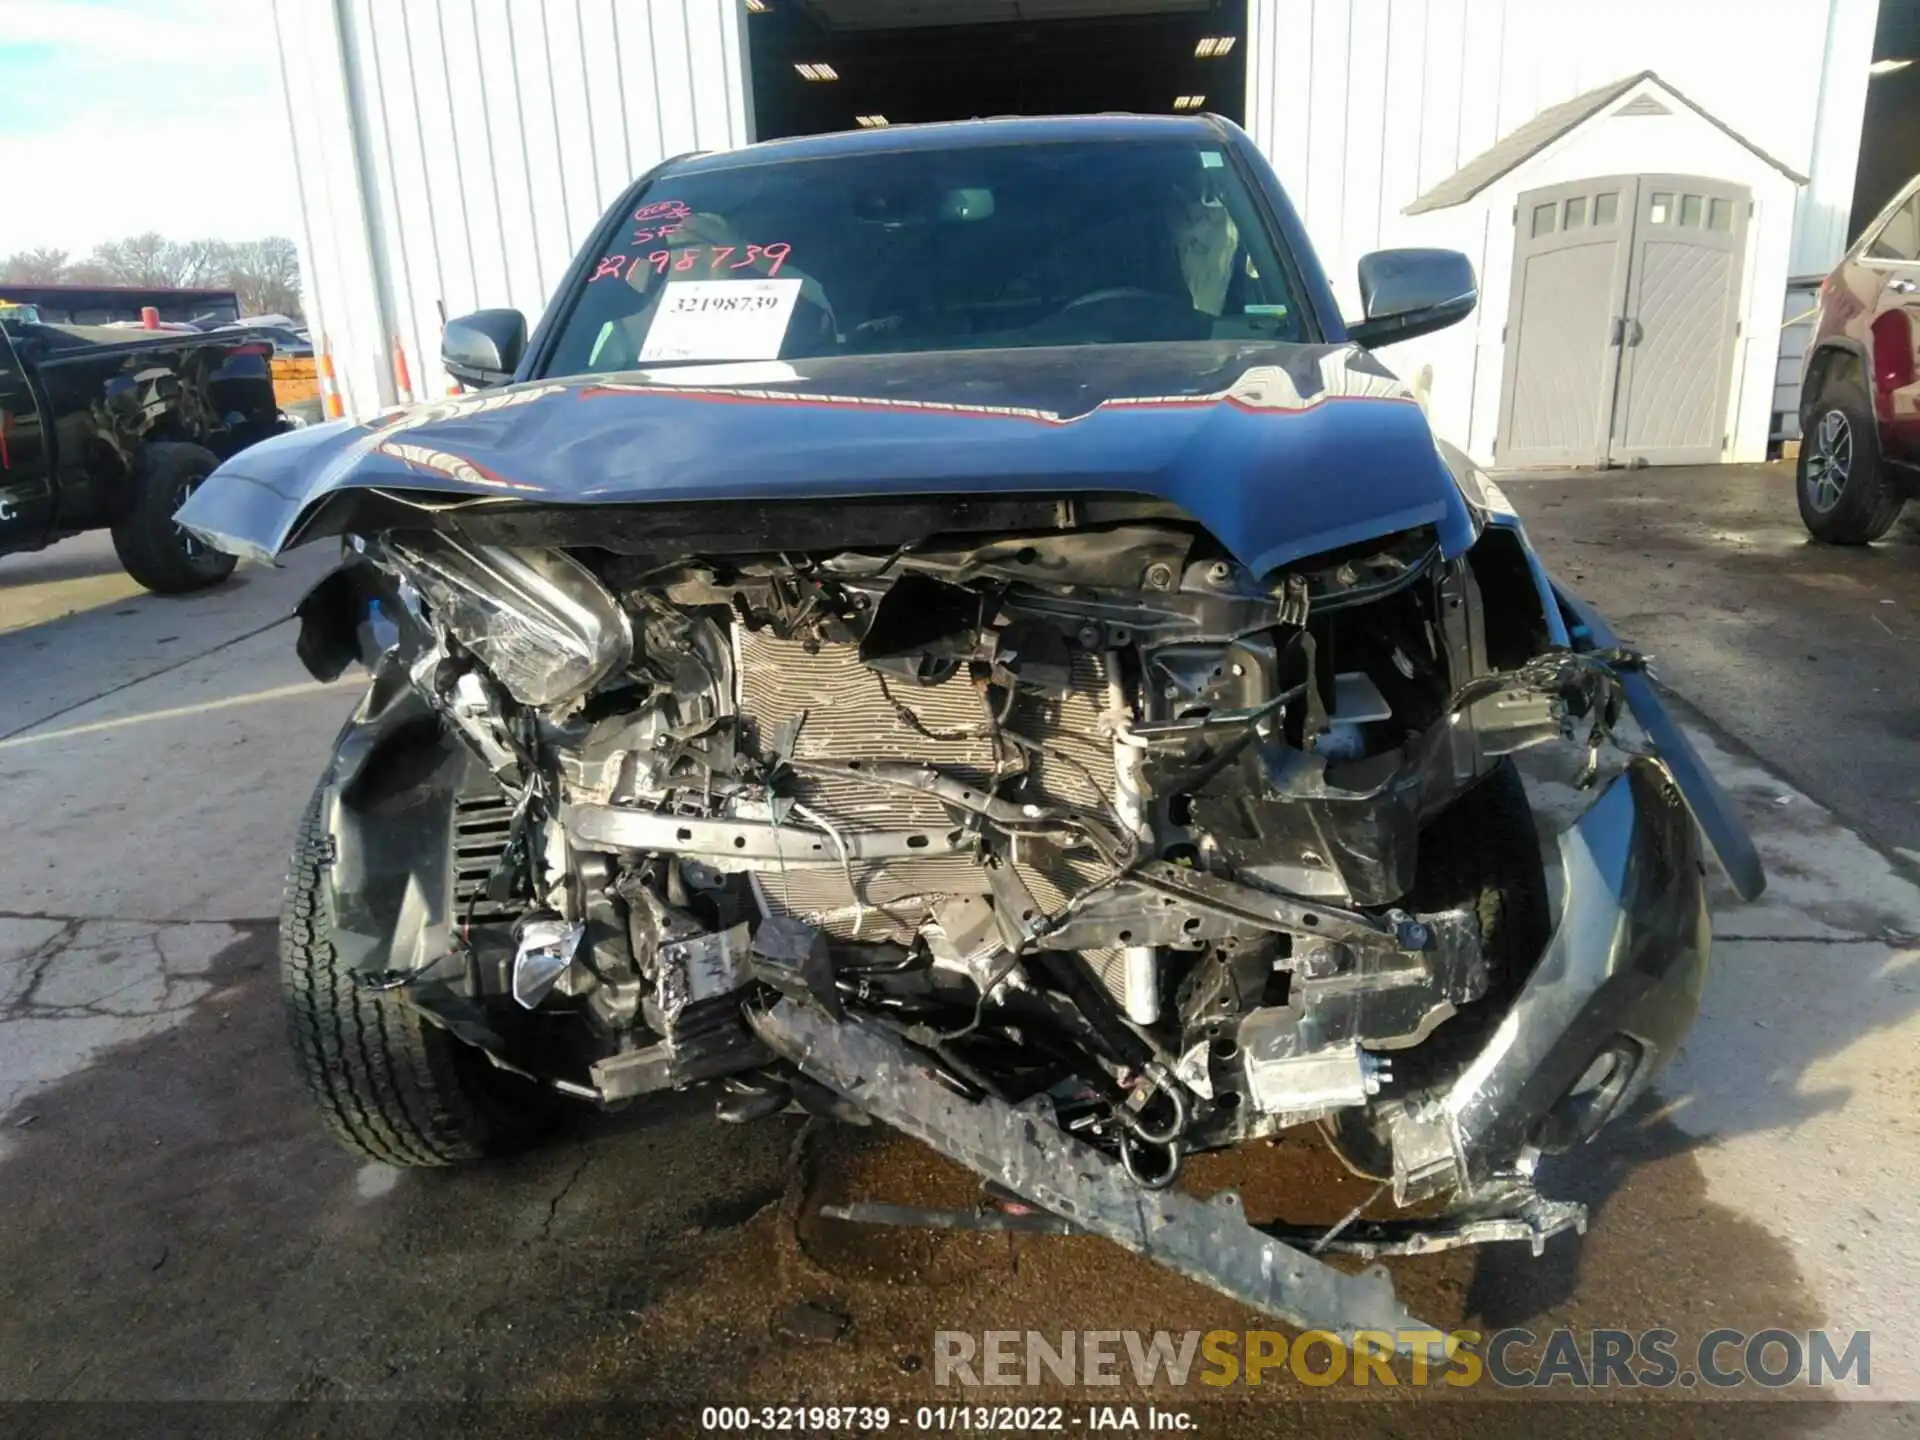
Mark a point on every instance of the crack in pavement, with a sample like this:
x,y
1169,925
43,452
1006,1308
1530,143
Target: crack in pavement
x,y
67,919
553,1205
72,989
72,941
38,962
29,1011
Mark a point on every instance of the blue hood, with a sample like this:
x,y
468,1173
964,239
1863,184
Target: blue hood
x,y
1281,451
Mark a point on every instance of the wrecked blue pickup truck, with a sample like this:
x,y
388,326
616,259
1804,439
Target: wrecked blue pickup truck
x,y
949,624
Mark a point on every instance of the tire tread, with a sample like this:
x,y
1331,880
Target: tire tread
x,y
389,1085
144,538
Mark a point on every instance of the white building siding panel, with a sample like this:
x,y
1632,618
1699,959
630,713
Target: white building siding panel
x,y
1840,98
1437,125
1402,103
453,153
335,263
1368,51
1279,87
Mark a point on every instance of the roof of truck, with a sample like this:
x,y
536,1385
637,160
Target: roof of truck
x,y
960,134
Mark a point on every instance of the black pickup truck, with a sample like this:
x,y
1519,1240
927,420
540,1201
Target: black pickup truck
x,y
105,428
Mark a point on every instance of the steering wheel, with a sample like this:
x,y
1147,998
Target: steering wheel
x,y
1114,292
1123,313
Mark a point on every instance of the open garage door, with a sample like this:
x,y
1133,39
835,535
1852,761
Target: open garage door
x,y
822,65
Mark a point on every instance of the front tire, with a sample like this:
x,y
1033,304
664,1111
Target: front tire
x,y
1846,494
152,549
389,1085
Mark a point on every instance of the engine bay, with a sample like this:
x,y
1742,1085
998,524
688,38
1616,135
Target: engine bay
x,y
1083,813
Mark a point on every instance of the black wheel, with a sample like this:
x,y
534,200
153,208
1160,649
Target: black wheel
x,y
1846,494
1482,851
389,1085
155,551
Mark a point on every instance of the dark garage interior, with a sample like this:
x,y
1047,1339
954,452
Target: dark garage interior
x,y
904,61
1890,127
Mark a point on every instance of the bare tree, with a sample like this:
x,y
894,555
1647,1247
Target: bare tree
x,y
200,263
149,259
266,275
44,266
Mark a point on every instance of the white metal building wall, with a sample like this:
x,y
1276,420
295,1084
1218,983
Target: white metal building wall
x,y
452,153
1362,105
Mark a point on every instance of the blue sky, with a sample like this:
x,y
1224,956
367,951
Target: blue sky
x,y
119,116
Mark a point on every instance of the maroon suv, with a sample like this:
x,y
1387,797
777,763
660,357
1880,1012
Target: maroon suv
x,y
1860,401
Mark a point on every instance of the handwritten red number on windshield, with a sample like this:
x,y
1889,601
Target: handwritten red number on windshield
x,y
642,237
687,258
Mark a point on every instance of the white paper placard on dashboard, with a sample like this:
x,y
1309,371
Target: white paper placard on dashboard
x,y
721,320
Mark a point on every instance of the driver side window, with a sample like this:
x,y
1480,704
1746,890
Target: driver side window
x,y
1899,238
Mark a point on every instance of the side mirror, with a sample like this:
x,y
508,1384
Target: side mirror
x,y
484,348
1405,293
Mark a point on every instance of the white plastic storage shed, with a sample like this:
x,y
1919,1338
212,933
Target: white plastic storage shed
x,y
452,153
1632,252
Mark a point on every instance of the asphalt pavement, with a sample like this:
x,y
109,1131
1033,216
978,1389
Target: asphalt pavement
x,y
176,1228
1804,652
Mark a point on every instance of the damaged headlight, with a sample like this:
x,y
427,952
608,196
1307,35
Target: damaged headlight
x,y
539,621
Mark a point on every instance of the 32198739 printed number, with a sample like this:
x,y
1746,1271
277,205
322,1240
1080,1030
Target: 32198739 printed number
x,y
925,1419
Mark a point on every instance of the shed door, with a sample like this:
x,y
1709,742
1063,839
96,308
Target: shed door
x,y
1572,246
1683,314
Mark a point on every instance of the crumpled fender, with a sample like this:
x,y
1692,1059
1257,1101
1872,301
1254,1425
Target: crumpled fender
x,y
387,806
1710,805
1623,973
1571,621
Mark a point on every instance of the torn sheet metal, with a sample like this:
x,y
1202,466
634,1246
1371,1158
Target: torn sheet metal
x,y
1532,1221
1020,1148
1711,806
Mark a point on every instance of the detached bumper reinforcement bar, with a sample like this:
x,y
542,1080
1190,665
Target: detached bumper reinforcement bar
x,y
1020,1148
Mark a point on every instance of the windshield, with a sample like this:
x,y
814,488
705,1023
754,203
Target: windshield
x,y
1083,243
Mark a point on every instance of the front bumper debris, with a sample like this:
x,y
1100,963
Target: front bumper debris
x,y
1613,994
1020,1148
1608,1004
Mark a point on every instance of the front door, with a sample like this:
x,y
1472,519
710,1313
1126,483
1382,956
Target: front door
x,y
1622,322
1891,260
1570,260
26,486
1682,322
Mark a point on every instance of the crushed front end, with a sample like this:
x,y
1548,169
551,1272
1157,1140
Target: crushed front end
x,y
984,814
